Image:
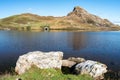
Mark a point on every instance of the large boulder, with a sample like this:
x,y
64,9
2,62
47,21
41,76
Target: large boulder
x,y
92,68
42,60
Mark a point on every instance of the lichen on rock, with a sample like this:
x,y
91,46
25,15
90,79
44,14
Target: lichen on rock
x,y
92,68
42,60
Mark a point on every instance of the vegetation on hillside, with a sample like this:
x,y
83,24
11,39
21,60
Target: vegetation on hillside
x,y
25,22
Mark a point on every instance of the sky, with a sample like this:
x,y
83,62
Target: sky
x,y
108,9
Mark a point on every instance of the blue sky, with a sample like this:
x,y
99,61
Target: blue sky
x,y
109,9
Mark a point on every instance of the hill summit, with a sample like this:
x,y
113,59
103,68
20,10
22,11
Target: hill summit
x,y
85,17
78,19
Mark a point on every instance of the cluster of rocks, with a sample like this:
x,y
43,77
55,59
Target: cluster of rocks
x,y
44,60
82,66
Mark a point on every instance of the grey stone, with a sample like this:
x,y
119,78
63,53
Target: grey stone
x,y
92,68
67,63
42,60
77,60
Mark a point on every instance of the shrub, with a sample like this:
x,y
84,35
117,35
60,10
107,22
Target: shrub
x,y
90,21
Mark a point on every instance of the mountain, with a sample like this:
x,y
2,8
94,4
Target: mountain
x,y
78,19
84,17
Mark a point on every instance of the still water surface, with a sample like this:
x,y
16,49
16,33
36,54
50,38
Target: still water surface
x,y
100,46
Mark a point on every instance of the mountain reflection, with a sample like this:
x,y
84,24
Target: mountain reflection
x,y
77,40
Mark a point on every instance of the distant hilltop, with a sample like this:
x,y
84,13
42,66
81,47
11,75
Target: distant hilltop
x,y
78,19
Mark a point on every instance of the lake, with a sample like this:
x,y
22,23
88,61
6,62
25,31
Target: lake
x,y
100,46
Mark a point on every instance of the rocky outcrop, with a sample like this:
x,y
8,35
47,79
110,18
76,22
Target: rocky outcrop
x,y
83,16
42,60
92,68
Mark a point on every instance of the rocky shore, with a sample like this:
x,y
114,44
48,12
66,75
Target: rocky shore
x,y
54,60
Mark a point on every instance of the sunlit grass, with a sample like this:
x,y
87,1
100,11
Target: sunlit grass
x,y
45,74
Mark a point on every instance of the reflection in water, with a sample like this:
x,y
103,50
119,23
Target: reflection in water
x,y
77,40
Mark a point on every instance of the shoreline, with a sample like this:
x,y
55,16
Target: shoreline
x,y
109,75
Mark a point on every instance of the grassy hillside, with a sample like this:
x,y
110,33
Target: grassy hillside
x,y
78,19
21,22
48,74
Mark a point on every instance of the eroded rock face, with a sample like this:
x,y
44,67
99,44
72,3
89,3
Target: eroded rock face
x,y
42,60
93,68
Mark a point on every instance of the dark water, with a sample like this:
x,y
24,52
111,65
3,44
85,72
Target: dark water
x,y
100,46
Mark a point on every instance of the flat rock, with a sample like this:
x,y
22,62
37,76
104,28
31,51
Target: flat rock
x,y
67,63
77,60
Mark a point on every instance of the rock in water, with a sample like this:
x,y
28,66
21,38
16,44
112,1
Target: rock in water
x,y
42,60
92,68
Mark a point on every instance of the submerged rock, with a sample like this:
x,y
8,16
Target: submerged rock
x,y
42,60
92,68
